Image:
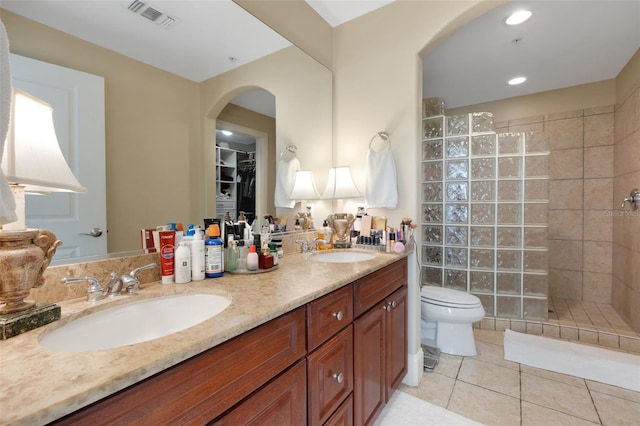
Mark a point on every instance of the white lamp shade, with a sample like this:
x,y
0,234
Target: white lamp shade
x,y
340,184
32,155
304,187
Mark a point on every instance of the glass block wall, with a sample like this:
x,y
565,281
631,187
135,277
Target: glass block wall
x,y
484,212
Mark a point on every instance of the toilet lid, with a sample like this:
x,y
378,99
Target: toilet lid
x,y
448,296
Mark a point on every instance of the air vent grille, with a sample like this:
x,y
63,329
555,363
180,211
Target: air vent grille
x,y
152,14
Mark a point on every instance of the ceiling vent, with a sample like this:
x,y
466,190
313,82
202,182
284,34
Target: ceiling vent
x,y
152,14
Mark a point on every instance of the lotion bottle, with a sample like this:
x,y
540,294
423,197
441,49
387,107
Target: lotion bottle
x,y
213,253
252,259
197,255
183,263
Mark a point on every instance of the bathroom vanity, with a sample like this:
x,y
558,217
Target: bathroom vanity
x,y
311,343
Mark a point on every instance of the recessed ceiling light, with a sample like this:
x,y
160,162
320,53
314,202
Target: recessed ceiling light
x,y
518,17
517,80
227,132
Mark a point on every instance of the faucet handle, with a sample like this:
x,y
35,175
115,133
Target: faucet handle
x,y
135,272
95,291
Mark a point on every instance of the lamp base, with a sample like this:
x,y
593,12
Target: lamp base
x,y
41,314
341,245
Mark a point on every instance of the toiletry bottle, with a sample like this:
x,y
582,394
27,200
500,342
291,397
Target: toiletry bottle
x,y
252,259
231,260
197,255
183,263
213,254
327,235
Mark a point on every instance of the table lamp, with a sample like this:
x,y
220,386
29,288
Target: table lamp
x,y
339,187
32,162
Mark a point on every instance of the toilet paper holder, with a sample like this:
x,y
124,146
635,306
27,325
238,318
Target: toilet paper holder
x,y
633,199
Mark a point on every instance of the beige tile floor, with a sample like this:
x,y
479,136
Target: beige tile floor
x,y
492,391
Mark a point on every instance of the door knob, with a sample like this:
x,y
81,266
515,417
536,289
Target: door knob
x,y
95,232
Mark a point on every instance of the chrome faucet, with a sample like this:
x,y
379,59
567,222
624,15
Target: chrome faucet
x,y
131,281
114,288
309,246
95,291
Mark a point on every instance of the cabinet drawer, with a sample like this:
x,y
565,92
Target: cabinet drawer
x,y
343,416
374,287
327,315
281,402
205,386
330,376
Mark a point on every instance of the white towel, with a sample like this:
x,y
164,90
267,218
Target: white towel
x,y
7,203
381,188
285,178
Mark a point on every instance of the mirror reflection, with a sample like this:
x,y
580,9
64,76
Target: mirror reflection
x,y
160,128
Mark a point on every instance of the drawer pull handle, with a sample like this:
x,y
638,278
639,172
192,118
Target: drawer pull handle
x,y
338,315
339,377
393,304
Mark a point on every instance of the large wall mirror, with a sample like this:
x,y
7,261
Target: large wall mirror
x,y
160,128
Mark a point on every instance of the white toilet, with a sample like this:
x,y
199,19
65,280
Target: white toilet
x,y
447,318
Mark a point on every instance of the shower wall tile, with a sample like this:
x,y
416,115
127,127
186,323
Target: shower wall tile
x,y
508,307
626,117
598,162
481,122
482,281
565,133
566,224
535,238
598,225
567,163
565,284
598,257
433,127
539,119
566,194
566,255
596,287
564,115
598,194
607,109
626,154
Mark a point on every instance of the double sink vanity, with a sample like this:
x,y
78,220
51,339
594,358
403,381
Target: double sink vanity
x,y
316,341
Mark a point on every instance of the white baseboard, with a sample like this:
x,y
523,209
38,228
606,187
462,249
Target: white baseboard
x,y
415,369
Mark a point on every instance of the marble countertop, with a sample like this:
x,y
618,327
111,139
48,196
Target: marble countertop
x,y
38,385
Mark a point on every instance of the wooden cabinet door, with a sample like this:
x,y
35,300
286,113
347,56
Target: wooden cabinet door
x,y
395,340
330,376
369,365
282,402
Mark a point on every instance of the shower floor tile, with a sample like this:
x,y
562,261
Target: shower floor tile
x,y
522,395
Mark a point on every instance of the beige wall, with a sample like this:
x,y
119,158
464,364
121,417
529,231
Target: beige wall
x,y
152,127
626,224
377,86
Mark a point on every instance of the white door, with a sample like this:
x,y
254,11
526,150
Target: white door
x,y
77,99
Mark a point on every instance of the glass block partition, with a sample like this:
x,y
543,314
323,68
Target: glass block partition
x,y
484,212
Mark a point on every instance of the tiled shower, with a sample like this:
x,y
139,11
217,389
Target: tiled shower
x,y
484,209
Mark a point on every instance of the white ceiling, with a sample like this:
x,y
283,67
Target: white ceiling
x,y
565,43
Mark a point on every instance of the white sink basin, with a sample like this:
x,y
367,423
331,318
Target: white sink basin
x,y
135,322
342,257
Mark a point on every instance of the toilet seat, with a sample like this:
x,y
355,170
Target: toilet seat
x,y
449,298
